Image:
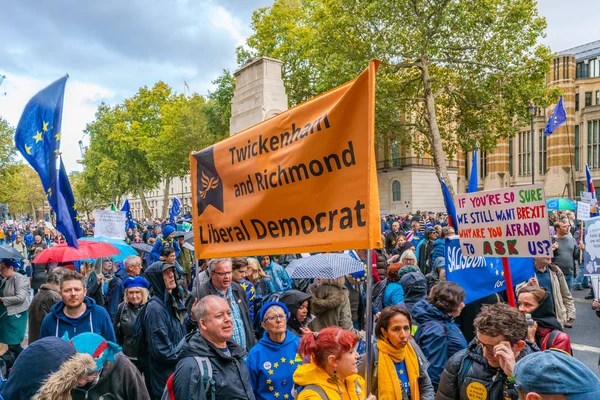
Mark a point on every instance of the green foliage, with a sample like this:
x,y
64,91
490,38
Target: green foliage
x,y
453,73
218,106
8,151
22,189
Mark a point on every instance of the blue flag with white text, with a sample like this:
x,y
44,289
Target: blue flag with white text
x,y
557,118
482,276
37,137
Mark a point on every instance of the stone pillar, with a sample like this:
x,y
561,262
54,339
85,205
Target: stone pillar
x,y
259,93
497,166
561,144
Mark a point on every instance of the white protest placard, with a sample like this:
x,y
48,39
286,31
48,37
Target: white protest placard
x,y
509,222
583,210
110,224
587,197
591,252
49,226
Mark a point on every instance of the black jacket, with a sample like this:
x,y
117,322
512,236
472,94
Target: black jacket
x,y
239,294
453,387
231,376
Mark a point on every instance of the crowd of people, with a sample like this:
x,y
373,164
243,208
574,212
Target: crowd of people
x,y
163,325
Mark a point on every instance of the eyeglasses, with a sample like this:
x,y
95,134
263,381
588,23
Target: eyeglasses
x,y
488,347
222,273
275,318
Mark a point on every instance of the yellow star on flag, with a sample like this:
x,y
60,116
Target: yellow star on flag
x,y
74,206
270,372
271,388
291,362
497,273
268,381
38,136
401,372
286,396
45,127
276,365
28,149
276,394
282,359
502,273
57,136
77,218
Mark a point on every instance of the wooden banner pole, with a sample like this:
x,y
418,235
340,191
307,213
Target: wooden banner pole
x,y
509,286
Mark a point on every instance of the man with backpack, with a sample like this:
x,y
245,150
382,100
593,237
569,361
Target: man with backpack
x,y
209,353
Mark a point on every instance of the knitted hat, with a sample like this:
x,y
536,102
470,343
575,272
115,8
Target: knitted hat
x,y
11,262
270,304
167,230
95,345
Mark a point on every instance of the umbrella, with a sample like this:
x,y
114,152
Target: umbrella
x,y
86,250
146,248
125,250
10,252
187,236
188,246
558,203
324,266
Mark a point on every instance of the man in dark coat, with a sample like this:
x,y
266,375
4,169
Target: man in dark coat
x,y
221,284
488,362
213,344
42,303
163,325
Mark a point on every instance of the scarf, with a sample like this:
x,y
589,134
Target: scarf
x,y
388,383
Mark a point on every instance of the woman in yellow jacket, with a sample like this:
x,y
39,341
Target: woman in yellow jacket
x,y
332,373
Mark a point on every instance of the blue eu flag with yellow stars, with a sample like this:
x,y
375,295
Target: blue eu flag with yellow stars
x,y
127,208
175,210
558,117
38,137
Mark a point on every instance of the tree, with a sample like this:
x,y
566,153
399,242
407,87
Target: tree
x,y
8,151
86,199
218,107
453,73
22,189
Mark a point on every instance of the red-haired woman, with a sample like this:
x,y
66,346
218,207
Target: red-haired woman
x,y
332,372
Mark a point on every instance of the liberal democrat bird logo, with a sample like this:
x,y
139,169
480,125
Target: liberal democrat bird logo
x,y
208,184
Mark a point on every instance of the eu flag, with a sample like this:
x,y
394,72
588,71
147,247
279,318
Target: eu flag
x,y
450,208
558,117
175,210
67,219
38,139
127,208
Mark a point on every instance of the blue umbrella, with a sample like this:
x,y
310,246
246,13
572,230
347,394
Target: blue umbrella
x,y
125,250
559,203
329,266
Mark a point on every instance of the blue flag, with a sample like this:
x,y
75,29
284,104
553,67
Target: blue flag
x,y
450,208
129,224
67,219
473,178
482,276
558,117
175,210
38,137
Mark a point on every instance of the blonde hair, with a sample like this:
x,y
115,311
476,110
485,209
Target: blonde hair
x,y
145,295
338,282
257,271
408,255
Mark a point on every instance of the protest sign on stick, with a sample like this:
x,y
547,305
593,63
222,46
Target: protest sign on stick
x,y
110,224
591,252
583,210
510,222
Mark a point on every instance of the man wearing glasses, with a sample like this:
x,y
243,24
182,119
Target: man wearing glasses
x,y
221,284
485,369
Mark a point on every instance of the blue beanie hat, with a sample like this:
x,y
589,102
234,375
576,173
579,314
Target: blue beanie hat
x,y
12,263
167,230
137,281
96,346
556,372
270,304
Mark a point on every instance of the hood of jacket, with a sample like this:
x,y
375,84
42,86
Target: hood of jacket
x,y
60,384
290,339
545,315
407,270
155,278
423,311
311,374
58,310
293,299
415,286
325,297
34,364
194,345
438,241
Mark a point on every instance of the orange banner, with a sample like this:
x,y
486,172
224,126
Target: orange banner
x,y
302,181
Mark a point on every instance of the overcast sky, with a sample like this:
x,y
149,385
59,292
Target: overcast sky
x,y
110,48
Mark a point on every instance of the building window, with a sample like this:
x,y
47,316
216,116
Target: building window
x,y
576,101
543,152
395,191
597,97
483,165
577,147
524,153
588,99
581,70
566,67
510,156
395,154
593,68
593,144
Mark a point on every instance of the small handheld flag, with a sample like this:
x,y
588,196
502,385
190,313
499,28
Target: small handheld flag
x,y
450,208
473,178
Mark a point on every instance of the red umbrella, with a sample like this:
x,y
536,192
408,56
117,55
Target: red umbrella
x,y
87,250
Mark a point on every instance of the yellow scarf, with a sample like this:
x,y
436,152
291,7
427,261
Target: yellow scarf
x,y
389,386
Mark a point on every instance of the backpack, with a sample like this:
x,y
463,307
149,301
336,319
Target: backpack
x,y
139,342
377,295
206,372
259,302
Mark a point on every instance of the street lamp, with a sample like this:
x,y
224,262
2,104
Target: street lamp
x,y
531,110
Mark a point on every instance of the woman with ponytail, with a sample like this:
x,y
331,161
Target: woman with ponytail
x,y
331,373
401,370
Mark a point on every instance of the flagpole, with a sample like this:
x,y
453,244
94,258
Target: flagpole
x,y
508,283
572,166
369,324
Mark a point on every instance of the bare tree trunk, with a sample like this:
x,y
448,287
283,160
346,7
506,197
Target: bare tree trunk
x,y
165,210
33,213
435,140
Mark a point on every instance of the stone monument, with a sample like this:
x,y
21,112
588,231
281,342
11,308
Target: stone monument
x,y
259,93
